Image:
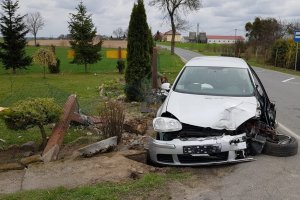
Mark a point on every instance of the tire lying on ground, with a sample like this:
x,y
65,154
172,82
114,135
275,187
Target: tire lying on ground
x,y
286,146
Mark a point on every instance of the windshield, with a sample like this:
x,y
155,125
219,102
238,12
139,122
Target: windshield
x,y
220,81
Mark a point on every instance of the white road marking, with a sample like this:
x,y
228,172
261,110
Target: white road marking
x,y
288,80
289,131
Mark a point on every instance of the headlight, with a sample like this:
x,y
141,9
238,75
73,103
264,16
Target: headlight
x,y
164,124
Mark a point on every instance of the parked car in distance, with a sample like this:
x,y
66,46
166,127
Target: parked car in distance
x,y
217,111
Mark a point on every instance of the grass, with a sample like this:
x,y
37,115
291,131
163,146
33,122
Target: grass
x,y
169,65
205,49
257,63
141,189
71,80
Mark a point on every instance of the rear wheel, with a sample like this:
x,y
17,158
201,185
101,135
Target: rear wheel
x,y
283,146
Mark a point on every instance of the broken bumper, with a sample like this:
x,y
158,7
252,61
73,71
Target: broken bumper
x,y
199,151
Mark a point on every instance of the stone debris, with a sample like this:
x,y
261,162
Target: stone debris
x,y
31,159
28,153
11,166
136,125
98,147
29,146
121,97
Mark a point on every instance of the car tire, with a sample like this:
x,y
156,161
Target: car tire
x,y
288,148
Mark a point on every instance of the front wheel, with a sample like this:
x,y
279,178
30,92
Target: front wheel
x,y
283,146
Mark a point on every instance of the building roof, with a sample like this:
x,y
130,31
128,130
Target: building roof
x,y
217,61
223,37
170,33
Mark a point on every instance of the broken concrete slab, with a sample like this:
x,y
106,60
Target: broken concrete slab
x,y
51,154
98,147
11,181
11,166
31,159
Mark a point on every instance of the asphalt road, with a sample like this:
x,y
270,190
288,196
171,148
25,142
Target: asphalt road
x,y
268,177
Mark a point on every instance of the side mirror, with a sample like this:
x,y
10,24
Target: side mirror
x,y
165,86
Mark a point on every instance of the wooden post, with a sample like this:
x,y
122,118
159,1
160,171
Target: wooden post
x,y
120,53
296,59
154,69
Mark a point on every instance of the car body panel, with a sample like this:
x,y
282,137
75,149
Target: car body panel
x,y
216,112
175,149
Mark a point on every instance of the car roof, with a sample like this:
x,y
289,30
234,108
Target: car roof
x,y
217,61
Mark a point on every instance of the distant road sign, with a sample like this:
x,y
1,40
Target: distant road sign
x,y
297,36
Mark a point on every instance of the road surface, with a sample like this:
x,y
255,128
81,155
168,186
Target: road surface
x,y
268,177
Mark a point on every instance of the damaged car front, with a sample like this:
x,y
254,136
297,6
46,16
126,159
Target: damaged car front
x,y
213,114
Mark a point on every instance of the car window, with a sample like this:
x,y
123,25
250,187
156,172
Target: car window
x,y
258,86
221,81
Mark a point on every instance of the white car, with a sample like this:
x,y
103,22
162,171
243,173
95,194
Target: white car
x,y
217,111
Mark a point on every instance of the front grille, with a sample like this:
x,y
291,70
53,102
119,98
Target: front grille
x,y
167,158
202,159
195,131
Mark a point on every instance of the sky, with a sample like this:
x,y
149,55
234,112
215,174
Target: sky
x,y
216,17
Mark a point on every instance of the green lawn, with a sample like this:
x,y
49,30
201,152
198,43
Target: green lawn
x,y
71,80
140,189
169,65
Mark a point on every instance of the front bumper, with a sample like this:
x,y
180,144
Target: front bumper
x,y
230,150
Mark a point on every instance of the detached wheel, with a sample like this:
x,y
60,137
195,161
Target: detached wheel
x,y
284,146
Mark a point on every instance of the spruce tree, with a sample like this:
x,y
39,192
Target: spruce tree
x,y
13,29
83,31
138,56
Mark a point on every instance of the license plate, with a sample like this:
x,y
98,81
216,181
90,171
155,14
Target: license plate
x,y
201,149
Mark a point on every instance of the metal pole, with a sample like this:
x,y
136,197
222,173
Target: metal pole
x,y
154,69
296,59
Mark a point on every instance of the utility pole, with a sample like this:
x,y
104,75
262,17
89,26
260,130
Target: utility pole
x,y
197,36
235,30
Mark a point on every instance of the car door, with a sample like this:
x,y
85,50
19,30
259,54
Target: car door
x,y
267,107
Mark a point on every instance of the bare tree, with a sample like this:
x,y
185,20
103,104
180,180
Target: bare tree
x,y
173,9
118,32
34,22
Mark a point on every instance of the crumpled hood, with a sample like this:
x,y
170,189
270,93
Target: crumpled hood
x,y
216,112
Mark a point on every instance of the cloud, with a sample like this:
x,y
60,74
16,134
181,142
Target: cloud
x,y
216,17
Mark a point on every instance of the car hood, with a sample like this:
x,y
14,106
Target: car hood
x,y
216,112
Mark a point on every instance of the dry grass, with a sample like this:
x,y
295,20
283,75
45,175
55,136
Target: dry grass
x,y
113,44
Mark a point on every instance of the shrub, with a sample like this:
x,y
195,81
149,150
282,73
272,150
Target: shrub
x,y
279,53
54,68
113,115
32,112
121,66
44,57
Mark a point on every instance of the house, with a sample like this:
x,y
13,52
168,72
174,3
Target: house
x,y
168,36
221,39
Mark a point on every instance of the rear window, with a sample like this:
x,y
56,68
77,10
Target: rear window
x,y
219,81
